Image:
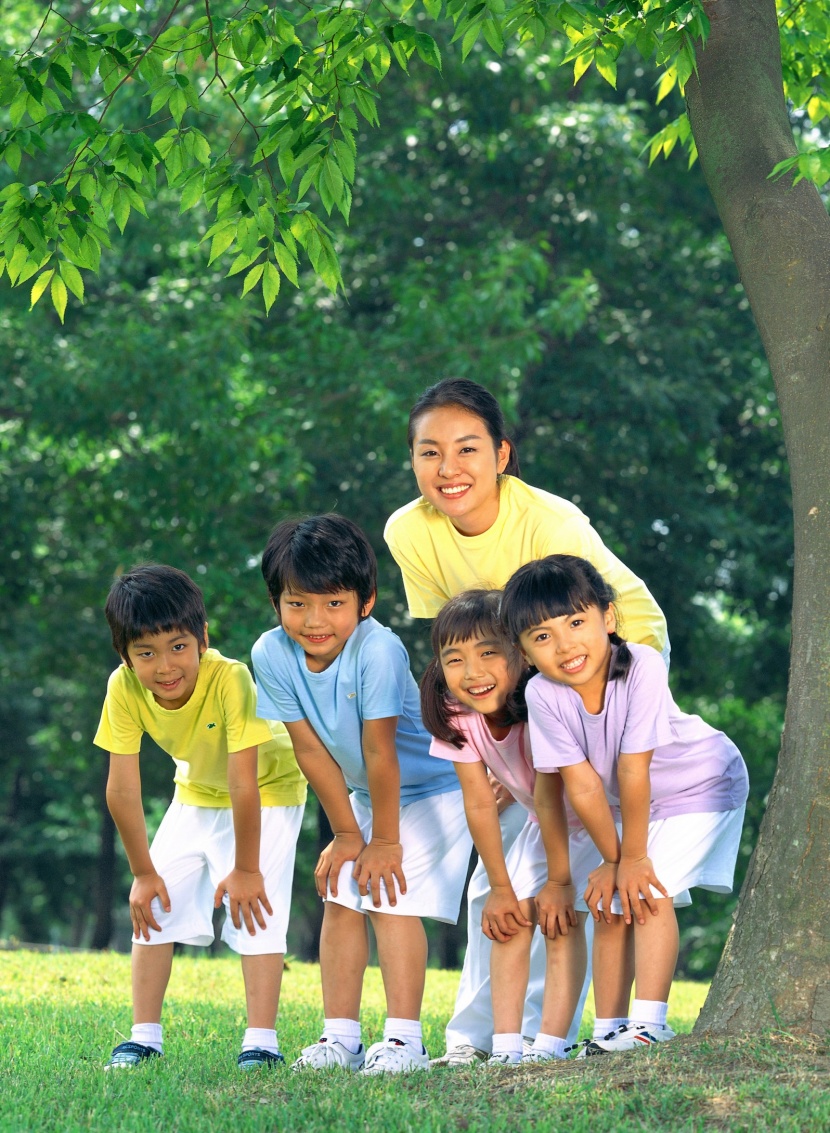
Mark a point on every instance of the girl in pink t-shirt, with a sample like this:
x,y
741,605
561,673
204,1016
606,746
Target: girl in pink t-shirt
x,y
470,705
670,811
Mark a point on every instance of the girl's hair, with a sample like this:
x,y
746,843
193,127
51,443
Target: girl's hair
x,y
555,587
473,614
474,399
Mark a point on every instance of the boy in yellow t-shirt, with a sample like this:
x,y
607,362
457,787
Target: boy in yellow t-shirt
x,y
230,833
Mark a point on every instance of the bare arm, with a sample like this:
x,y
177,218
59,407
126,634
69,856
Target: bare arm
x,y
125,806
244,884
555,901
636,873
502,915
328,784
383,857
586,795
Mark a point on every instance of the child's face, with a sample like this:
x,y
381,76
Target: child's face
x,y
321,624
456,466
167,664
574,649
480,674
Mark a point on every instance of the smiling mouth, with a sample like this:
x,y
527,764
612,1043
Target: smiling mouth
x,y
455,490
574,664
483,690
169,685
318,638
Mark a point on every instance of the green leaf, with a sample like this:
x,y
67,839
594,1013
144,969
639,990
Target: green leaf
x,y
18,107
12,155
72,278
40,285
427,49
433,8
178,105
270,285
253,278
493,35
59,296
192,192
121,209
221,242
287,262
470,37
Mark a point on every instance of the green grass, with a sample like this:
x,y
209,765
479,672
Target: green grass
x,y
61,1014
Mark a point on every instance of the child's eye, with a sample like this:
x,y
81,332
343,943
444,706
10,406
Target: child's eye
x,y
577,622
179,646
489,653
335,603
541,637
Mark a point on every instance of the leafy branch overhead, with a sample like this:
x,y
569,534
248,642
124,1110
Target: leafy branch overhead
x,y
245,109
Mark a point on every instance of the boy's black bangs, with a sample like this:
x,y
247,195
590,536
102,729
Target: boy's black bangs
x,y
544,595
317,578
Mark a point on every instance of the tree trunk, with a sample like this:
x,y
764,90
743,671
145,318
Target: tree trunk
x,y
775,970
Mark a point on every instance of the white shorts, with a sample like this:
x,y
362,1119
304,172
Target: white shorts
x,y
194,850
527,864
436,856
690,850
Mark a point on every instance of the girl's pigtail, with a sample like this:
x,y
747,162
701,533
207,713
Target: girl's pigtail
x,y
515,705
437,711
622,658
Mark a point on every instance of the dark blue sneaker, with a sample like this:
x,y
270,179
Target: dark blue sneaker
x,y
253,1059
127,1056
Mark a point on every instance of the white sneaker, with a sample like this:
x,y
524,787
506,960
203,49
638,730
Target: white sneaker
x,y
503,1059
540,1056
393,1056
629,1037
464,1055
328,1055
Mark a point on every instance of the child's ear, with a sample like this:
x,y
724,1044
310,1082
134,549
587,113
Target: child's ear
x,y
369,605
204,645
611,619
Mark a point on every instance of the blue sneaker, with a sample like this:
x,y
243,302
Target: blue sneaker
x,y
253,1059
127,1056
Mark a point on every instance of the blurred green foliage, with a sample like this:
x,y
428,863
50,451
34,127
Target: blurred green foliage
x,y
503,228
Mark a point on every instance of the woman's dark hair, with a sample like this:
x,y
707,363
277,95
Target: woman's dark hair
x,y
555,587
473,614
320,554
475,399
153,598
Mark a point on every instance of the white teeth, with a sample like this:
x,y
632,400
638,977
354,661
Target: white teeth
x,y
455,491
573,664
481,691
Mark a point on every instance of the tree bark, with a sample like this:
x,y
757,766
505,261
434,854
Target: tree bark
x,y
775,970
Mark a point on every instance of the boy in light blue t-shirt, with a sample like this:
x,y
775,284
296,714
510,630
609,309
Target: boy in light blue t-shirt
x,y
341,684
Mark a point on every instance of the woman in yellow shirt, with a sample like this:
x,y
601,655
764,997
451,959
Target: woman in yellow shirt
x,y
473,526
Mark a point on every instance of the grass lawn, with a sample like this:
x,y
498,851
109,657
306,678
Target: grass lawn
x,y
61,1014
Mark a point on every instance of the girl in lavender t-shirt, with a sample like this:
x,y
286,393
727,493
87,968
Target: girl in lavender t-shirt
x,y
469,704
670,813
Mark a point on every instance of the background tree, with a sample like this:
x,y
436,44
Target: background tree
x,y
536,162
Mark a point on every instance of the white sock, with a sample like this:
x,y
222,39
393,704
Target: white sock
x,y
603,1027
408,1030
343,1031
148,1034
261,1038
649,1013
508,1044
550,1044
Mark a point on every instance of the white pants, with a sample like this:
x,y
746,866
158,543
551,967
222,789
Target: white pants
x,y
472,1021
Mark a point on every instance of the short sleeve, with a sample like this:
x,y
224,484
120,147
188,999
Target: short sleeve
x,y
239,709
467,754
648,715
424,597
119,730
384,676
553,744
276,698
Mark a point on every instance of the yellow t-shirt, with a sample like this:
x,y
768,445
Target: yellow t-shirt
x,y
439,562
219,719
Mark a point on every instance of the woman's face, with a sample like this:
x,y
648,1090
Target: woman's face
x,y
456,466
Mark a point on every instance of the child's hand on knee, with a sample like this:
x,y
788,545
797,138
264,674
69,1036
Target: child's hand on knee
x,y
380,861
145,887
343,848
635,878
247,896
602,884
555,909
502,916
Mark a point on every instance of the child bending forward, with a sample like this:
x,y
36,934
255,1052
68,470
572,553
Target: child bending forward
x,y
341,682
231,831
671,808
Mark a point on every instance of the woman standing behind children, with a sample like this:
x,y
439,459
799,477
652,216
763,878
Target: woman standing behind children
x,y
679,786
474,525
470,704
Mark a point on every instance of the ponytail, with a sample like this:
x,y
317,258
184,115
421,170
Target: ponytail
x,y
438,708
621,661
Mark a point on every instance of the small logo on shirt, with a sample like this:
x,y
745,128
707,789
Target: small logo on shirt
x,y
351,695
211,725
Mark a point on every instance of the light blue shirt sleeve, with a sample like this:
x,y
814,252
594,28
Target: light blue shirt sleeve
x,y
384,675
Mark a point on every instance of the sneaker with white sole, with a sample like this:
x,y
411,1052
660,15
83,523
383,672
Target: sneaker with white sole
x,y
502,1059
463,1055
629,1037
394,1056
127,1056
540,1056
328,1055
